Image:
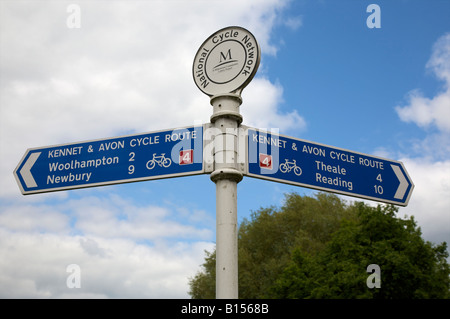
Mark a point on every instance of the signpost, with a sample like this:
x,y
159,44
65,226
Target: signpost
x,y
124,159
224,64
298,162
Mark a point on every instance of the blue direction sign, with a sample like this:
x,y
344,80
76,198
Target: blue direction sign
x,y
132,158
302,163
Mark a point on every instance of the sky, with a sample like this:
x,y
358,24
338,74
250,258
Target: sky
x,y
331,72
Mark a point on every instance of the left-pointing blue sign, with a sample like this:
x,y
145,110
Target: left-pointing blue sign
x,y
132,158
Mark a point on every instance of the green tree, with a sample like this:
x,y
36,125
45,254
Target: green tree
x,y
203,285
410,267
319,247
267,239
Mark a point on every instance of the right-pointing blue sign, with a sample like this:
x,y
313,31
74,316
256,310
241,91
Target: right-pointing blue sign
x,y
302,163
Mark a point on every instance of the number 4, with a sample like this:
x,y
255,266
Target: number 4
x,y
379,178
186,157
265,161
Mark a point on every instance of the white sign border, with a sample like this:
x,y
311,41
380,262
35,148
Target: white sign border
x,y
115,182
272,179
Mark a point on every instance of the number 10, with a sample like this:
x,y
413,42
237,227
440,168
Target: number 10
x,y
378,189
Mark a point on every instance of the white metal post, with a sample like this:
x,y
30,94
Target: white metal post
x,y
226,119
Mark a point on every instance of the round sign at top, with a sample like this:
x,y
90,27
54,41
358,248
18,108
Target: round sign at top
x,y
226,62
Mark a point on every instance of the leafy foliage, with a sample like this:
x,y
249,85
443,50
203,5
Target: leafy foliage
x,y
319,247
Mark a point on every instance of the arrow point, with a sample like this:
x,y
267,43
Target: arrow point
x,y
401,190
26,170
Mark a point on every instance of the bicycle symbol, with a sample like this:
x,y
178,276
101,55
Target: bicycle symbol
x,y
161,160
289,166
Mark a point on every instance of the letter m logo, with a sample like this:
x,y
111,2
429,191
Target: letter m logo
x,y
224,57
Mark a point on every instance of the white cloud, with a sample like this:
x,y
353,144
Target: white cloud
x,y
127,69
293,23
34,266
440,58
116,217
123,250
430,169
26,217
434,111
430,200
426,112
262,109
